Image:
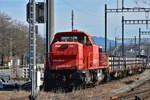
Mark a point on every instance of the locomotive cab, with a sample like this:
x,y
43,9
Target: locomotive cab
x,y
74,50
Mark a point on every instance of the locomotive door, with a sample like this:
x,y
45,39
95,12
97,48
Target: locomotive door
x,y
87,51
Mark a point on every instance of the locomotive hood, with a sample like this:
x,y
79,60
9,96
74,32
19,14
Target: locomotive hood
x,y
66,55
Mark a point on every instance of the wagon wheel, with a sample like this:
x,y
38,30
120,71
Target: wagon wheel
x,y
107,76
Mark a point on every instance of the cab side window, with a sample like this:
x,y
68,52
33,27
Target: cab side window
x,y
56,39
93,41
86,41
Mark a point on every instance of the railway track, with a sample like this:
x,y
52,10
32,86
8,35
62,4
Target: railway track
x,y
134,95
93,93
138,92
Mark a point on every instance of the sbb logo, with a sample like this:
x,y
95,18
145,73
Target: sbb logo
x,y
57,46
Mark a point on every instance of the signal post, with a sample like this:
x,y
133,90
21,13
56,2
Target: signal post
x,y
35,15
32,39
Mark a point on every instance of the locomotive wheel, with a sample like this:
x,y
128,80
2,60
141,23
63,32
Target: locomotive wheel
x,y
121,74
99,76
107,76
130,72
87,78
140,70
125,73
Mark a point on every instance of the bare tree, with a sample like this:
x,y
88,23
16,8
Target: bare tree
x,y
14,38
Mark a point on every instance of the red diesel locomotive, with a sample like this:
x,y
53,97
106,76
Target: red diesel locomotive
x,y
75,58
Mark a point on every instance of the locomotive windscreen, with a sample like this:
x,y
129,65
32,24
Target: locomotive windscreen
x,y
73,38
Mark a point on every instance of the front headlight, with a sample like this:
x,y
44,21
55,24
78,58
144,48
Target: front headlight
x,y
74,67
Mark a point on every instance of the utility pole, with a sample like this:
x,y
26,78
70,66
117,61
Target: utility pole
x,y
115,44
49,34
122,4
72,20
135,41
32,38
117,4
139,40
110,48
105,28
49,27
51,20
122,35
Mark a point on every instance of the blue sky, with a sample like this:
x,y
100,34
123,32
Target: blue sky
x,y
89,16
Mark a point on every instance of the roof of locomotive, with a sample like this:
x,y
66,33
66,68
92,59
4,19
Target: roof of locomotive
x,y
73,32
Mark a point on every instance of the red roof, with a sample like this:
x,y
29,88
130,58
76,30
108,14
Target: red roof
x,y
73,32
